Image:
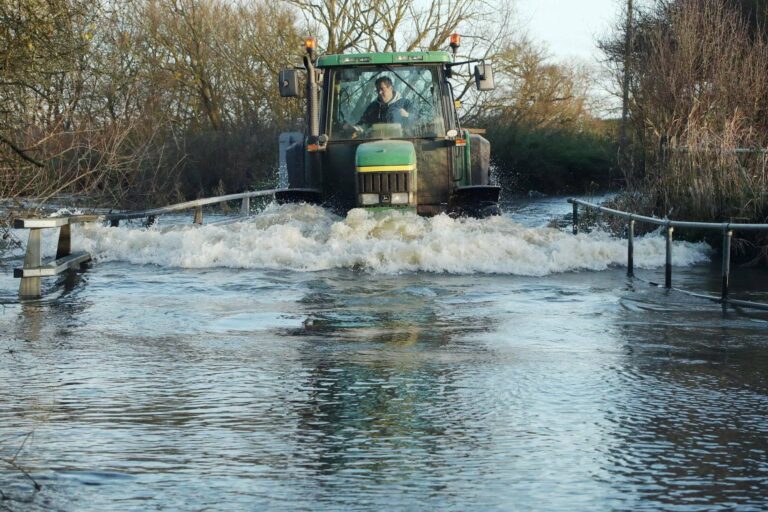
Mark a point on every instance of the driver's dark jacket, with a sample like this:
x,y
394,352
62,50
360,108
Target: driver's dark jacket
x,y
380,112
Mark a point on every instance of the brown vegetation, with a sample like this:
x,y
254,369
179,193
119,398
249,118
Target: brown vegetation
x,y
139,102
699,92
133,102
541,123
402,25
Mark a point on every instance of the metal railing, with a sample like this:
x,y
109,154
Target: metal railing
x,y
727,229
686,149
34,268
197,205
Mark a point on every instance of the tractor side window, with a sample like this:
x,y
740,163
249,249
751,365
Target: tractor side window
x,y
386,102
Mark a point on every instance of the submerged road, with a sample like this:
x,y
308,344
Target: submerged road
x,y
299,361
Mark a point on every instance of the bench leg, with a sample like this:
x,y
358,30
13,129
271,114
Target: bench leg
x,y
65,241
29,288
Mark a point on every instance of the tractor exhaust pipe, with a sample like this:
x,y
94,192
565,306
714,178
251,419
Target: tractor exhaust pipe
x,y
312,107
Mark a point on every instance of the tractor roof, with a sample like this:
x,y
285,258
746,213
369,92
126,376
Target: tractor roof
x,y
358,59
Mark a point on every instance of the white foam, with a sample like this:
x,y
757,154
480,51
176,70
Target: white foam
x,y
66,211
308,238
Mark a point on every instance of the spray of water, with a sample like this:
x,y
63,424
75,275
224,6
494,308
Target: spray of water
x,y
309,238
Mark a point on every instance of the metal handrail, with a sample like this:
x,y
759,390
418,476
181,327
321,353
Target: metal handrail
x,y
187,205
727,228
674,223
688,149
197,204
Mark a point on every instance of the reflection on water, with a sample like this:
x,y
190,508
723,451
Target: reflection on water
x,y
695,411
151,387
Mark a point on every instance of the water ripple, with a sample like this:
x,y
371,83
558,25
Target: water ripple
x,y
151,387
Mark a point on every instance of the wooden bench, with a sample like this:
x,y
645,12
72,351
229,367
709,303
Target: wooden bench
x,y
34,267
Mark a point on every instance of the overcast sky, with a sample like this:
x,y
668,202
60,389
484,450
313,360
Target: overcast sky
x,y
569,27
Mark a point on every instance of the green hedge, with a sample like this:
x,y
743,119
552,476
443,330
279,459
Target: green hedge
x,y
551,160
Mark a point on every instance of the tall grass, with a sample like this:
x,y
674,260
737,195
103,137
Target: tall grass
x,y
700,112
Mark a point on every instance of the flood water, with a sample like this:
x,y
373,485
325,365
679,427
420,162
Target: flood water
x,y
302,361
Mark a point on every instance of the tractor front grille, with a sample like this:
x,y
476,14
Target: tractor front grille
x,y
383,182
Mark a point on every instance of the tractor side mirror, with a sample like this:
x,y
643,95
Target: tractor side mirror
x,y
289,83
484,77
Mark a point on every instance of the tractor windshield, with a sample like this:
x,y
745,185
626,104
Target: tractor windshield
x,y
386,102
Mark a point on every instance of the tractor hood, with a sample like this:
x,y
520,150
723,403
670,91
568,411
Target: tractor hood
x,y
386,155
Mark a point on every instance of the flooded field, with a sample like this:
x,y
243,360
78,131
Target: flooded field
x,y
301,361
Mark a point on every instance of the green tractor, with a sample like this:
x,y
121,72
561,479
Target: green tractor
x,y
382,132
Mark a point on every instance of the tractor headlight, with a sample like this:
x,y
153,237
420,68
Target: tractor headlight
x,y
400,198
369,199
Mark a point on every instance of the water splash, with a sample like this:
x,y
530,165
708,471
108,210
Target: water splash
x,y
310,238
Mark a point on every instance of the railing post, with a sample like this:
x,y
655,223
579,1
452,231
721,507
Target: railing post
x,y
198,215
29,287
631,247
668,266
575,218
245,206
727,236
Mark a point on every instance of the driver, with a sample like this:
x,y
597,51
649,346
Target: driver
x,y
388,107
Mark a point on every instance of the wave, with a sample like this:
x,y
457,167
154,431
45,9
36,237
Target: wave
x,y
310,238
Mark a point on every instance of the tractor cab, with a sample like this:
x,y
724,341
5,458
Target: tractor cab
x,y
414,107
382,132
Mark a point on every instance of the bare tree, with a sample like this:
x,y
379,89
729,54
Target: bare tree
x,y
699,93
261,40
41,83
403,25
345,24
